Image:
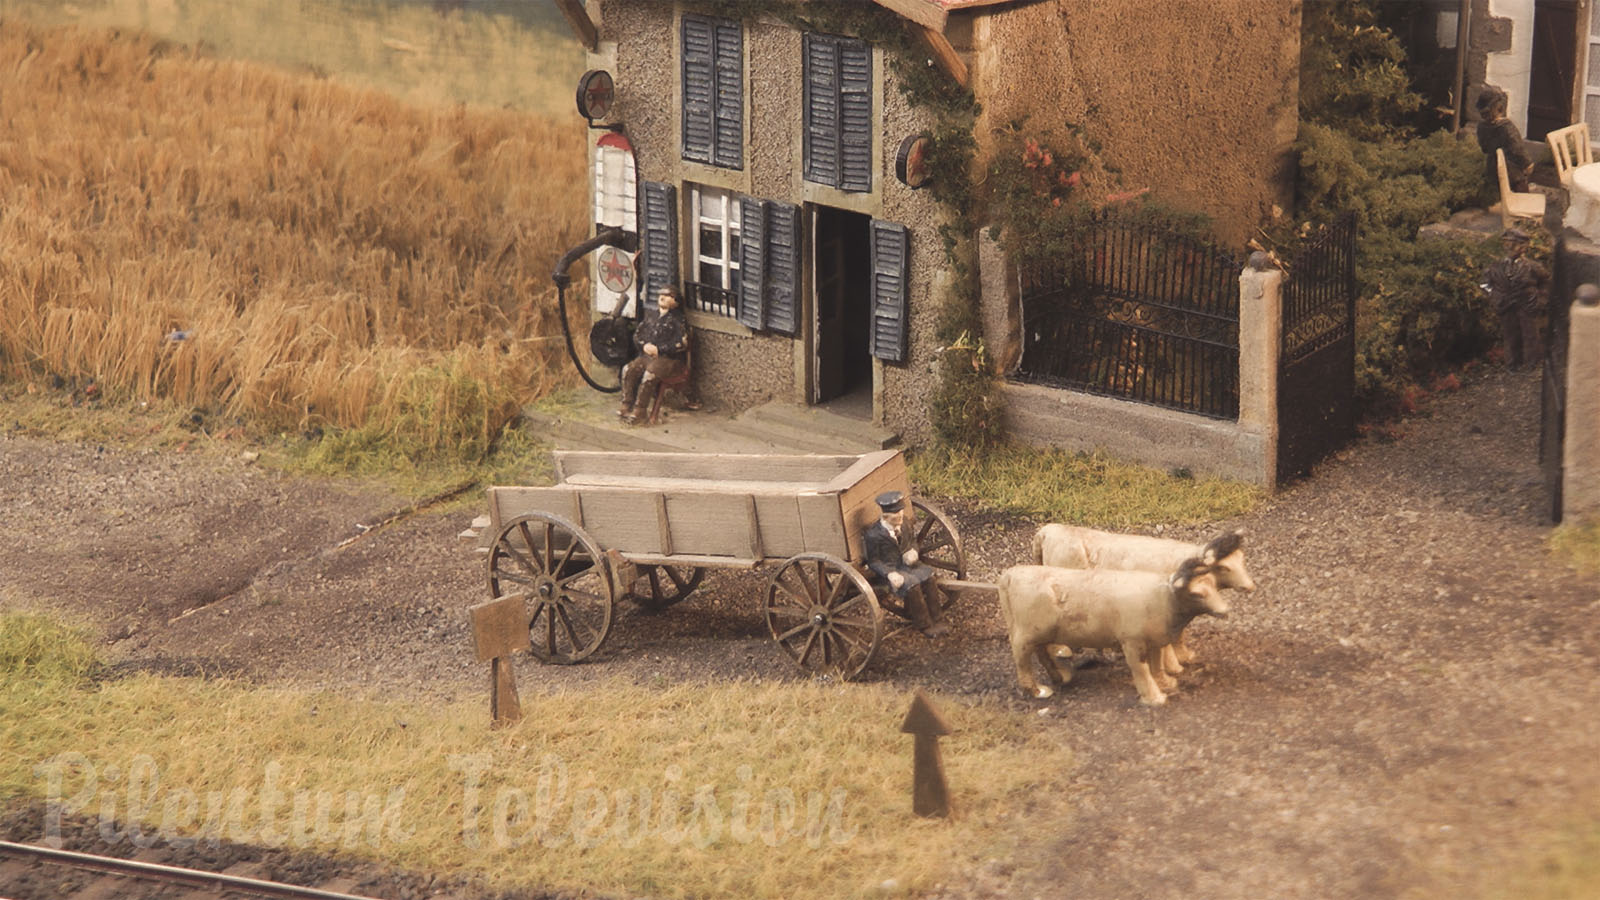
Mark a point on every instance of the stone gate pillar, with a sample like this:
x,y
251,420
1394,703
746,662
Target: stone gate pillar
x,y
1580,486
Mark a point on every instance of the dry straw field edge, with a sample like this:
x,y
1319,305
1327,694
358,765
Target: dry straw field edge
x,y
277,247
749,789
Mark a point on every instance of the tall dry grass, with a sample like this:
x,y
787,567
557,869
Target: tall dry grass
x,y
335,257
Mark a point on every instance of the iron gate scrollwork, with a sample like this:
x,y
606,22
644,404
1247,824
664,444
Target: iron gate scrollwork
x,y
1136,309
1316,363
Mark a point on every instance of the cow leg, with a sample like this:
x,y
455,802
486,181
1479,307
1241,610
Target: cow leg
x,y
1169,660
1182,651
1156,659
1058,672
1139,665
1022,654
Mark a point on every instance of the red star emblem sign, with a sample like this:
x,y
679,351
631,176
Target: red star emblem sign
x,y
616,270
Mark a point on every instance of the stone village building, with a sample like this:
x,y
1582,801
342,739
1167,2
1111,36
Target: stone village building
x,y
758,160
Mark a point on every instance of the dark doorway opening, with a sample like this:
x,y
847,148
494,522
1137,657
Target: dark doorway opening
x,y
1555,66
842,276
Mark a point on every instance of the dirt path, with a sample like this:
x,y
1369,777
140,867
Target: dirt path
x,y
1406,699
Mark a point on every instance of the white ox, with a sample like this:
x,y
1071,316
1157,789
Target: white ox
x,y
1072,547
1140,612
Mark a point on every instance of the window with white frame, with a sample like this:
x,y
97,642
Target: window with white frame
x,y
714,230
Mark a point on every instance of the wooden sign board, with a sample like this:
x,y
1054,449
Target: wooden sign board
x,y
500,628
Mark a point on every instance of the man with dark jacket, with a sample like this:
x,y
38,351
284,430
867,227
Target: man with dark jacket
x,y
894,563
1517,286
1496,132
663,344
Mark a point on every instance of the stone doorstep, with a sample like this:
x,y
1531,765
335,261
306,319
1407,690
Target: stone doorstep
x,y
813,420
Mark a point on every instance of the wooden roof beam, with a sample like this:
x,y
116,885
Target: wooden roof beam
x,y
946,56
582,27
928,15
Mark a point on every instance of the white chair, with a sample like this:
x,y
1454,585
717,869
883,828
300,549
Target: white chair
x,y
1514,204
1569,147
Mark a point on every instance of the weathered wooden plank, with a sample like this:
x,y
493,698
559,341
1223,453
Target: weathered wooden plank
x,y
622,519
781,534
858,504
755,526
664,523
822,526
506,503
947,57
582,28
662,483
704,466
977,587
709,524
692,559
863,465
922,12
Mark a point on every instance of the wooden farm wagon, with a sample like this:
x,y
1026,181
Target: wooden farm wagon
x,y
646,526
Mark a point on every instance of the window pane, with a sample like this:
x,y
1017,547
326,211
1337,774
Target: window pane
x,y
710,241
733,247
711,273
734,277
710,205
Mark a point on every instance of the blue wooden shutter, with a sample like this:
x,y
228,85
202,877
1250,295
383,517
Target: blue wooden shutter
x,y
891,276
838,112
821,113
855,116
658,231
783,268
712,53
752,262
729,113
769,266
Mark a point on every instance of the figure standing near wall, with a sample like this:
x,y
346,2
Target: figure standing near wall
x,y
1496,132
1517,287
663,343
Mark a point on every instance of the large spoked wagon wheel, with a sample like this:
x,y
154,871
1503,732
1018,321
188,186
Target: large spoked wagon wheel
x,y
551,564
937,541
658,587
822,612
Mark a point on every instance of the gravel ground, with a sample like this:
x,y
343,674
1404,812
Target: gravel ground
x,y
1401,704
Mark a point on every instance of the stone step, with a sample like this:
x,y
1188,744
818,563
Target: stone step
x,y
779,437
568,433
811,420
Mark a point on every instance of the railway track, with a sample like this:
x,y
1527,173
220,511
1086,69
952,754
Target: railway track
x,y
29,871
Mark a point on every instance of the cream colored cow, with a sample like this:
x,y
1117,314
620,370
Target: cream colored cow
x,y
1140,612
1072,547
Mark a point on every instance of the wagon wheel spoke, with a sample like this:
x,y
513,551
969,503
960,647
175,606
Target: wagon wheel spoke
x,y
654,593
938,542
821,585
811,640
569,611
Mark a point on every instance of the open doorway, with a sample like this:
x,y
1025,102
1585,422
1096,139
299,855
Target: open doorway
x,y
1554,66
842,313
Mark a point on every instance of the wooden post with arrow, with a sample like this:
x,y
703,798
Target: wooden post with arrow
x,y
930,797
499,629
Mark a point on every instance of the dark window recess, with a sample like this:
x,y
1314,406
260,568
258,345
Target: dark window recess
x,y
891,270
769,265
658,230
838,112
713,91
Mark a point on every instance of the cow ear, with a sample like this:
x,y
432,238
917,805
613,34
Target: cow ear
x,y
1209,557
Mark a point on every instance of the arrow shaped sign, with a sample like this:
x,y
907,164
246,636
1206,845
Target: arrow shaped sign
x,y
929,795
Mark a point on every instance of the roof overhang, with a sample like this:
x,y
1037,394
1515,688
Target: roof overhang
x,y
932,14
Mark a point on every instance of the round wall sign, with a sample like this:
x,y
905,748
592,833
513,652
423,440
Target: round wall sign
x,y
595,93
911,163
616,269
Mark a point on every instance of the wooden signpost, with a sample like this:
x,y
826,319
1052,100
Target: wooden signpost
x,y
930,796
500,628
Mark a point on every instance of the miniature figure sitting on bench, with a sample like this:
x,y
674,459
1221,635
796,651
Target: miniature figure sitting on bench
x,y
663,360
895,567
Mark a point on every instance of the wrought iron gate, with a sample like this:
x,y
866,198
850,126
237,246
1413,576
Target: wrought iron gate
x,y
1137,309
1316,362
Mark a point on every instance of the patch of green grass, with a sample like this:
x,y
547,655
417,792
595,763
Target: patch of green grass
x,y
1578,544
37,647
746,789
1077,488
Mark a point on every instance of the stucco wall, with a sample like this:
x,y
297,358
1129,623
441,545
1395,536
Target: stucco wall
x,y
1196,100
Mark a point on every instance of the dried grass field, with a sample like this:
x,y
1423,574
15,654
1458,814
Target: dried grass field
x,y
329,257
